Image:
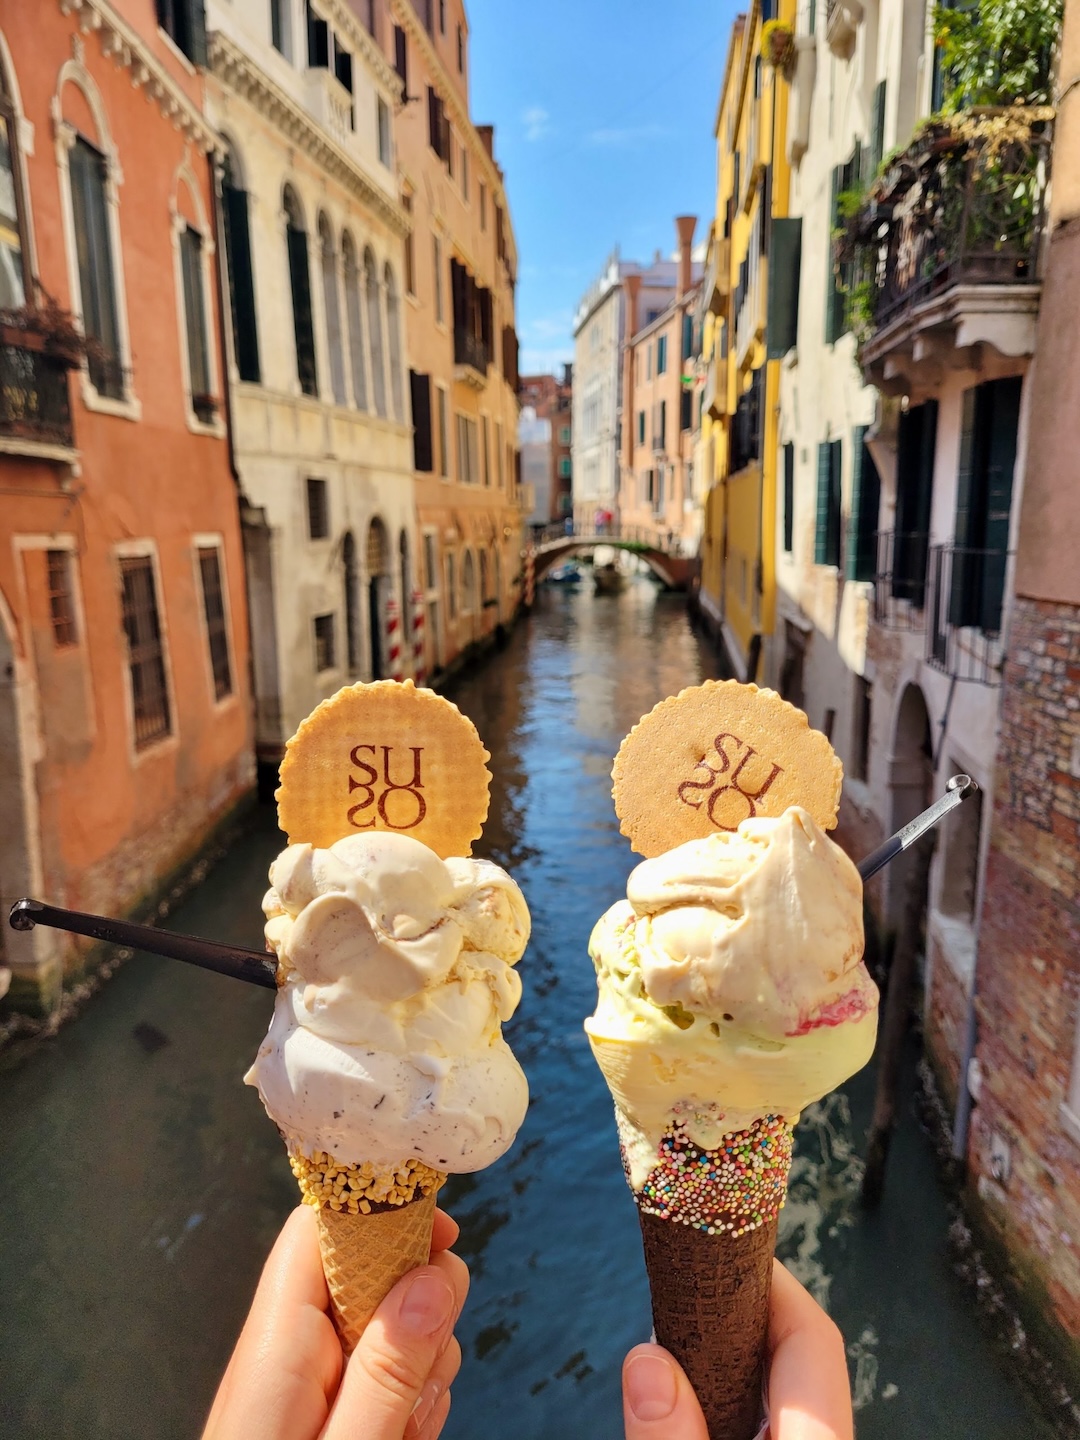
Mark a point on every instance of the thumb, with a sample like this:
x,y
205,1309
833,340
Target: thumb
x,y
394,1358
658,1401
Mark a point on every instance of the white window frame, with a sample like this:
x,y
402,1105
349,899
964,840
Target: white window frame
x,y
216,428
438,289
75,73
215,541
442,428
467,606
142,550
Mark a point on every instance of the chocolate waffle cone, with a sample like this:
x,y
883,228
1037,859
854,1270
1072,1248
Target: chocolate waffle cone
x,y
708,1226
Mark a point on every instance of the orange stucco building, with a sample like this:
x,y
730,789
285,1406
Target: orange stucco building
x,y
657,496
460,274
124,703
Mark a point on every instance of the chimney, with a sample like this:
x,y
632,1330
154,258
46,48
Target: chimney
x,y
685,225
632,287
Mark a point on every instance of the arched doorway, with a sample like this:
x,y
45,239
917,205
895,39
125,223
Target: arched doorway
x,y
352,603
911,773
378,573
498,586
405,573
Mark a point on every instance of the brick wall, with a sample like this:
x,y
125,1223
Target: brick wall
x,y
1024,1153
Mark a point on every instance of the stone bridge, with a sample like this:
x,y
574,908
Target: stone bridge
x,y
550,545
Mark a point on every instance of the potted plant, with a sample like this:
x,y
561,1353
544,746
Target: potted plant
x,y
778,47
46,327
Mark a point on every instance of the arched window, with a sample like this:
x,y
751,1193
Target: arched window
x,y
375,334
97,266
333,309
15,287
468,584
195,251
300,285
354,315
234,206
378,569
393,336
352,603
483,578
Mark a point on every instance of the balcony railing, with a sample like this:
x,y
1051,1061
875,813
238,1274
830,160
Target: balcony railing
x,y
900,579
961,206
331,105
470,350
965,594
746,425
34,402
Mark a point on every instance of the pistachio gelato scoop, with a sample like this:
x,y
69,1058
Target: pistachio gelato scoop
x,y
731,984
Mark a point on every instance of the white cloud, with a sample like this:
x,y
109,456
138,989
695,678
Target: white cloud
x,y
537,122
541,361
628,135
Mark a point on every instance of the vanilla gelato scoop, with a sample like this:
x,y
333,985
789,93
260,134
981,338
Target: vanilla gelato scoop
x,y
731,984
386,1041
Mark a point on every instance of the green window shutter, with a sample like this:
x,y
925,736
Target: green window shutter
x,y
789,498
861,555
836,455
821,527
241,282
962,602
877,144
851,550
1000,463
784,264
832,329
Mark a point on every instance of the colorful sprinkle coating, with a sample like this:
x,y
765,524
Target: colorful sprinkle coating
x,y
737,1187
359,1189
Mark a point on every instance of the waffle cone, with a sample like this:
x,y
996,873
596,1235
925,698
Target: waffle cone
x,y
364,1256
710,1305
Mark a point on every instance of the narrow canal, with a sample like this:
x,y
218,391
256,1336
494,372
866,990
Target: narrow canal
x,y
141,1184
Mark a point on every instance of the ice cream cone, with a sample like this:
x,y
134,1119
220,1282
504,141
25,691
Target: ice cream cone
x,y
708,1226
367,1244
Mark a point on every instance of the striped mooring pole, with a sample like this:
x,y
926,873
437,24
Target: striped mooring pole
x,y
393,637
419,670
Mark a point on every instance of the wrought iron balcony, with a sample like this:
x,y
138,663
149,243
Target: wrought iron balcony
x,y
963,205
965,595
471,358
34,401
900,579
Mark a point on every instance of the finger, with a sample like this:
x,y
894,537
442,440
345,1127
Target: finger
x,y
658,1401
433,1429
287,1362
436,1389
444,1232
809,1393
397,1352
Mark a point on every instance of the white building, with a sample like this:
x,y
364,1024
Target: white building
x,y
901,496
314,230
534,438
599,333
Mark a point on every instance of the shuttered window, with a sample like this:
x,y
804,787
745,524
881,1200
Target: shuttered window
x,y
241,279
916,445
991,416
191,268
789,497
61,598
827,530
214,612
423,440
184,21
784,266
845,178
97,271
877,137
300,285
146,656
861,553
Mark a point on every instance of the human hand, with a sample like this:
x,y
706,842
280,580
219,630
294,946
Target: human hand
x,y
288,1379
809,1395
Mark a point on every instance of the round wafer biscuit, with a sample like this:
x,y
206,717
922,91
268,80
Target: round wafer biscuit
x,y
715,755
385,756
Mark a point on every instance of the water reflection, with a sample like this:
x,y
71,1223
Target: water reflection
x,y
145,1185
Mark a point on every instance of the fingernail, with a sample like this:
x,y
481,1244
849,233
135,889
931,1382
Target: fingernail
x,y
651,1387
428,1304
429,1398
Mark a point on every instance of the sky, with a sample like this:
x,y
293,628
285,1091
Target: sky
x,y
604,117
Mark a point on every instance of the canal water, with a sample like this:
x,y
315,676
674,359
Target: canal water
x,y
141,1184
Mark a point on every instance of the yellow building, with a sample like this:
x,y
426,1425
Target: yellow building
x,y
741,403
